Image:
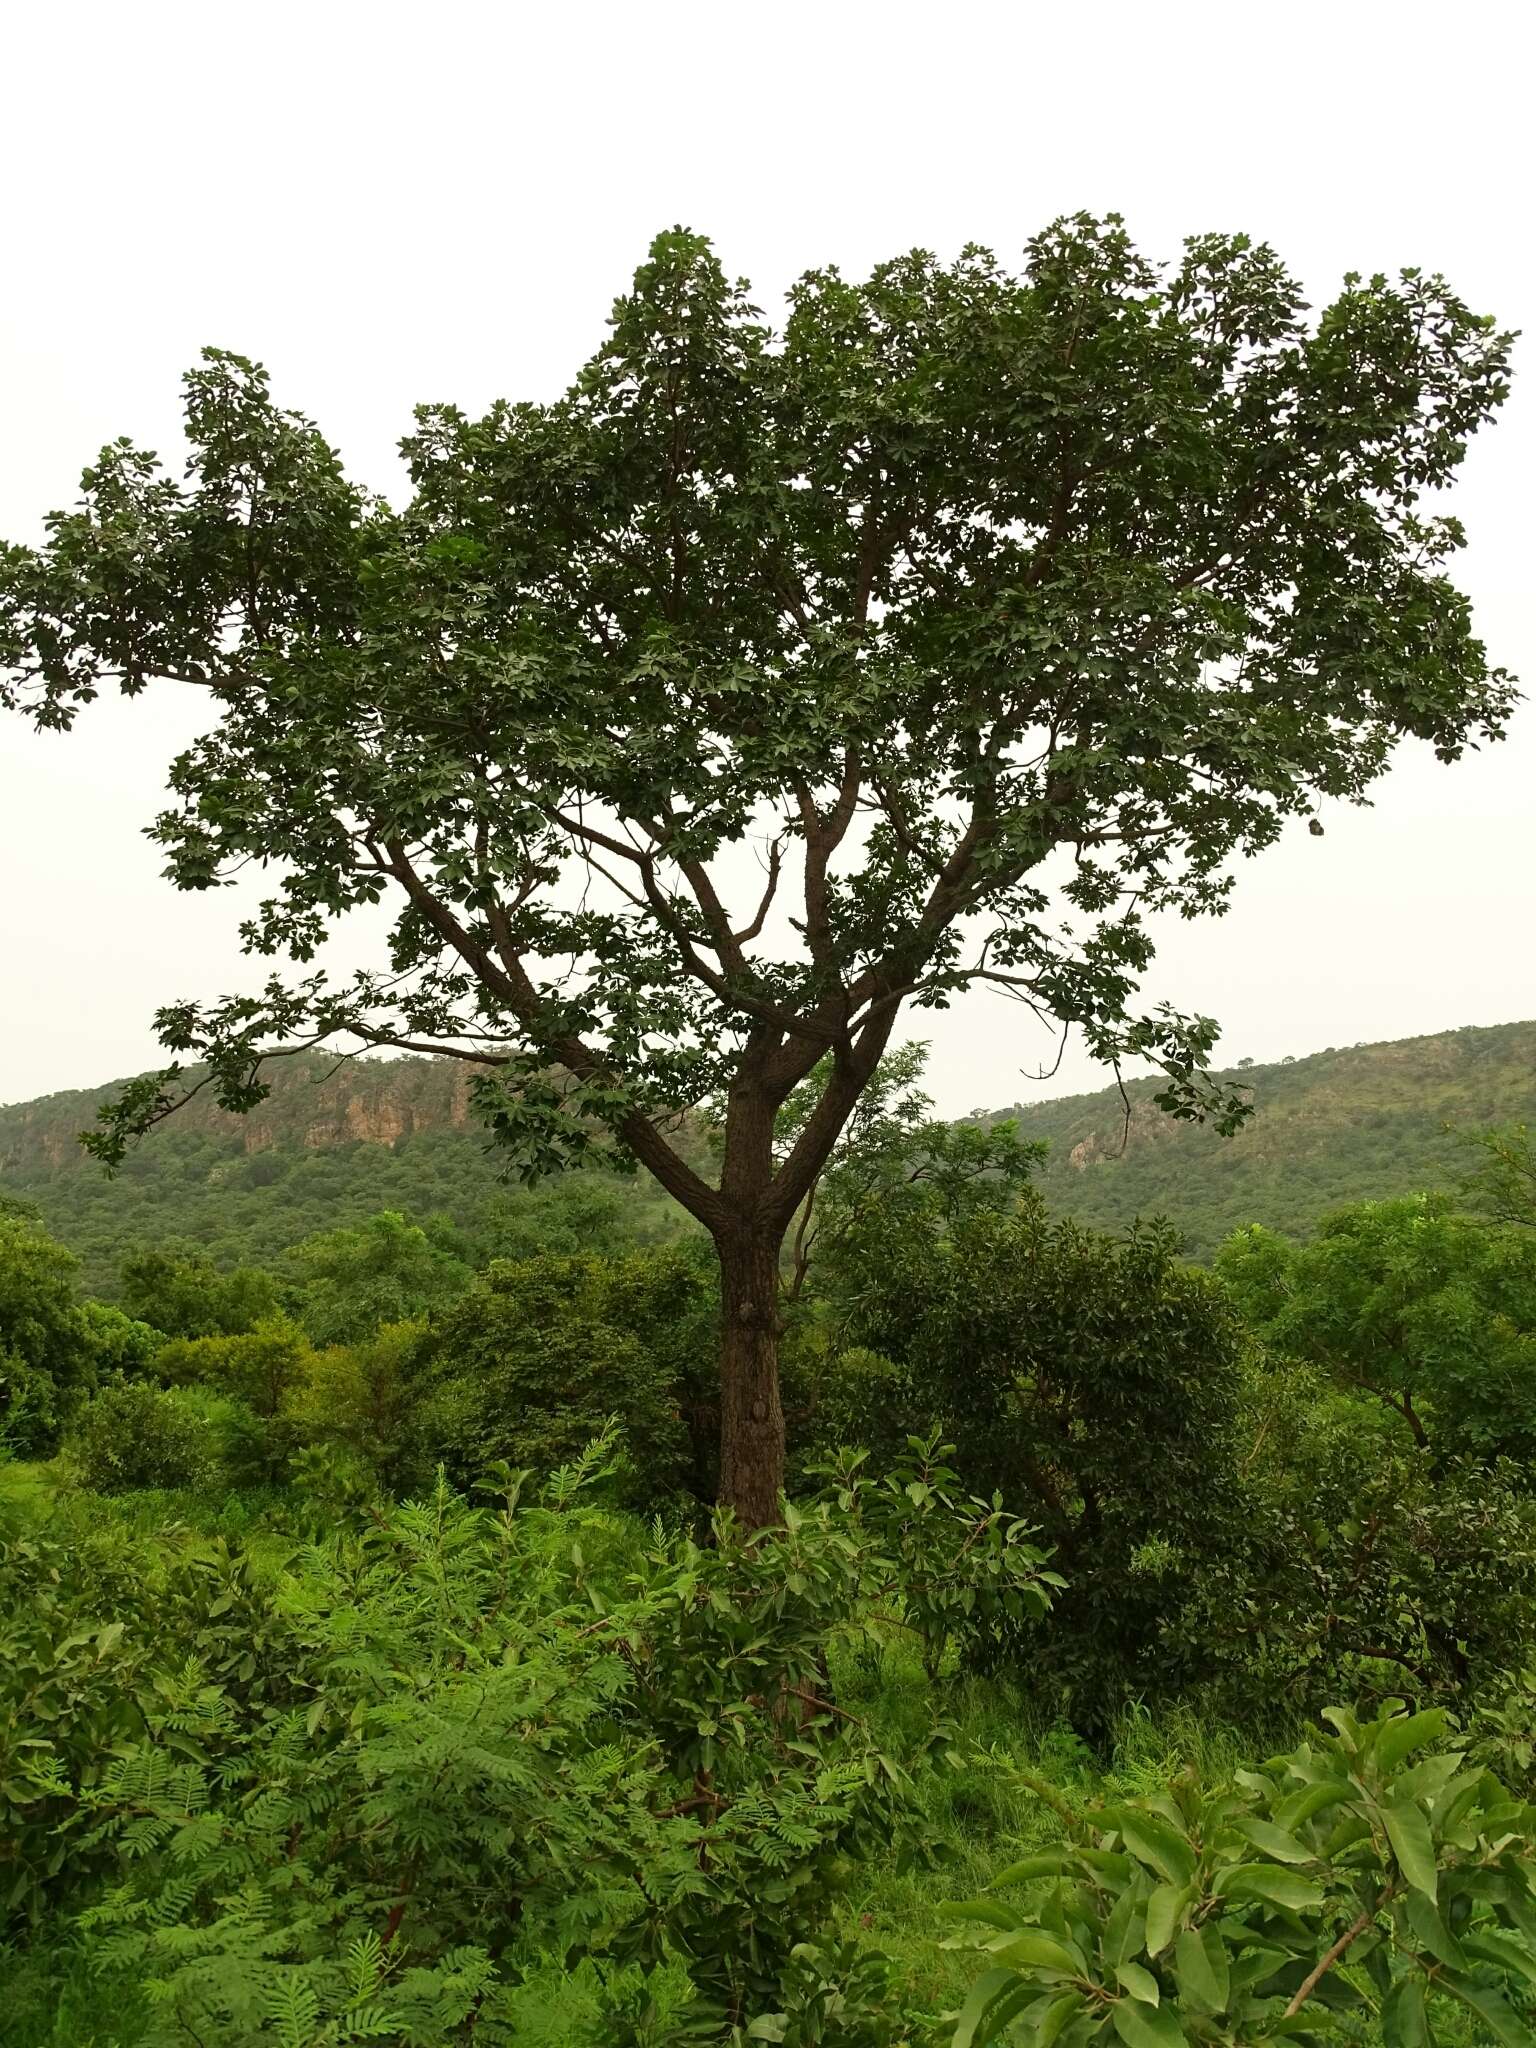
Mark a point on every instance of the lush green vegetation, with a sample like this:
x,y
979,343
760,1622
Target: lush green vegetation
x,y
770,682
1356,1123
333,1147
328,1149
893,1610
376,1667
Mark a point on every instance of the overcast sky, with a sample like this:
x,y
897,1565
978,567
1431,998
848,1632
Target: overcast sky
x,y
389,204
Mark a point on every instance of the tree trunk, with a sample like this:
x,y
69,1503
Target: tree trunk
x,y
751,1412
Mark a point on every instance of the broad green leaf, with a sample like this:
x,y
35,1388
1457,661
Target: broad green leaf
x,y
1156,1843
1265,1881
1427,1779
1147,2026
1165,1909
988,1911
1412,1845
1505,1951
996,1997
1037,1952
1139,1982
1060,2014
1403,2020
1430,1931
1311,1801
1047,1863
1276,1842
1205,1979
1400,1738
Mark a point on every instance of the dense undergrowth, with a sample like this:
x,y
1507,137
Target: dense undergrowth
x,y
373,1665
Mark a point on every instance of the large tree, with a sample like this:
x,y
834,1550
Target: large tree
x,y
770,681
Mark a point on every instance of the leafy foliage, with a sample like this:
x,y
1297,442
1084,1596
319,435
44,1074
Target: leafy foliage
x,y
46,1349
529,1364
1505,1185
187,1297
455,1739
1373,1870
1095,1385
131,1434
353,1281
1430,1312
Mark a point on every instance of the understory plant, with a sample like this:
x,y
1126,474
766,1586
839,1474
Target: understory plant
x,y
1372,1875
513,1731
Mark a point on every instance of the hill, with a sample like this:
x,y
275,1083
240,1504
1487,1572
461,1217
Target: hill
x,y
1350,1124
332,1143
335,1143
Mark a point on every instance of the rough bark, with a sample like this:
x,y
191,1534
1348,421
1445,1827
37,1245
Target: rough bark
x,y
751,1412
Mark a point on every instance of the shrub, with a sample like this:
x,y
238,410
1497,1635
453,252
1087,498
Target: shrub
x,y
1372,1869
187,1296
46,1362
134,1435
504,1732
1095,1384
363,1396
527,1367
93,1616
118,1343
1361,1565
355,1280
1431,1313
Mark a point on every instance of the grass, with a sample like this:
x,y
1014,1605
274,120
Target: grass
x,y
53,2000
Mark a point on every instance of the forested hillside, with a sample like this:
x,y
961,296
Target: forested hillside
x,y
333,1145
1354,1123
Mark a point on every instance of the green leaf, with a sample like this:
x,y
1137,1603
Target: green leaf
x,y
1403,2020
1430,1931
1263,1881
1276,1842
996,1997
1155,1842
1148,2026
1412,1845
1048,1863
1139,1982
1038,1952
1059,2014
1200,1958
1506,1953
1165,1909
1401,1737
988,1911
1491,2007
1311,1801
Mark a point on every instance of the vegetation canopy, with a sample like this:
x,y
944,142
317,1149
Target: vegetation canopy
x,y
954,627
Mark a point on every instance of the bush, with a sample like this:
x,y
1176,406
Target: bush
x,y
133,1435
1095,1384
1368,1872
94,1615
1360,1565
1431,1313
354,1281
118,1343
46,1361
507,1732
364,1396
527,1368
187,1296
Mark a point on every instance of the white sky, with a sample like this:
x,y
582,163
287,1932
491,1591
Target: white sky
x,y
391,204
